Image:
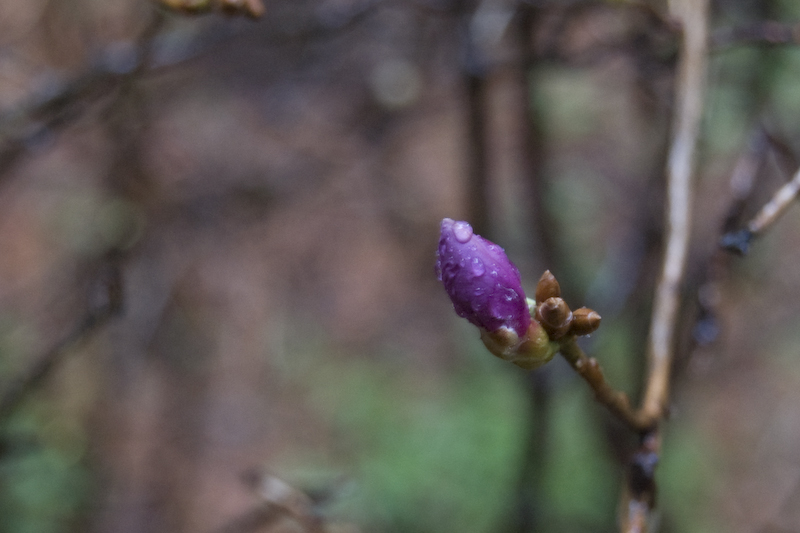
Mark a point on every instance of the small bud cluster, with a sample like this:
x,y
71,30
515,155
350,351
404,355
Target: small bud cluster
x,y
486,289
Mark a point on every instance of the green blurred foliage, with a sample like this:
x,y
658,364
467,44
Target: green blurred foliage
x,y
438,452
582,483
44,484
427,453
686,477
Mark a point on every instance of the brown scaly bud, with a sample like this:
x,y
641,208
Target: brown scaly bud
x,y
555,317
547,287
584,321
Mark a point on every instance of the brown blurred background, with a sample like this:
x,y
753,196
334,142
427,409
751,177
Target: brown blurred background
x,y
217,239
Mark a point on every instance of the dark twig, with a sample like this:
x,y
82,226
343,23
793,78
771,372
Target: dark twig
x,y
95,318
20,127
474,67
105,298
639,492
32,377
707,279
477,183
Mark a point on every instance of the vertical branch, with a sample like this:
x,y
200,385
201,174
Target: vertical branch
x,y
693,15
639,492
477,173
475,66
538,385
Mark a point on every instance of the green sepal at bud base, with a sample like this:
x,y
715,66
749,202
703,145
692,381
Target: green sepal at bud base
x,y
531,351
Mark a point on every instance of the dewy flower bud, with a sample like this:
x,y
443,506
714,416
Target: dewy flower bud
x,y
483,284
485,288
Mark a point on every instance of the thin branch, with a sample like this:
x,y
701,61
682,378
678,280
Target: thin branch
x,y
589,369
19,128
24,123
689,109
95,318
474,67
35,374
739,241
777,205
639,493
704,284
59,109
691,86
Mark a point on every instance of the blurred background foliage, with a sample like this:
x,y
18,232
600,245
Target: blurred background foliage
x,y
217,240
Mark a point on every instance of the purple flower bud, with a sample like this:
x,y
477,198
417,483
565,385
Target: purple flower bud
x,y
483,284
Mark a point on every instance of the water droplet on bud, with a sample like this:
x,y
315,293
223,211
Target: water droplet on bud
x,y
477,267
462,232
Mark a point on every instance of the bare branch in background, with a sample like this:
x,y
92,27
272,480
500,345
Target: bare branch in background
x,y
105,302
777,205
105,296
707,281
738,242
61,104
474,68
20,128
